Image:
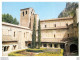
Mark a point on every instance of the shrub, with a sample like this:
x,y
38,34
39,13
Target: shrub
x,y
51,53
62,51
16,53
31,52
35,50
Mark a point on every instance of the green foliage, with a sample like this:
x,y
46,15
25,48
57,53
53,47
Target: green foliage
x,y
9,19
32,52
75,40
51,53
25,52
34,34
15,53
15,21
72,39
39,35
36,50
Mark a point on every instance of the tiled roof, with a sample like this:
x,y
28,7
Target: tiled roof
x,y
17,26
65,18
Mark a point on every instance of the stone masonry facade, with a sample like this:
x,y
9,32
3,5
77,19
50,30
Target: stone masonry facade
x,y
54,32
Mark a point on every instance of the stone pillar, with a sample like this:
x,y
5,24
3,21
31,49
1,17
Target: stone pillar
x,y
16,47
37,45
3,48
58,45
47,45
42,45
10,48
67,49
52,45
6,48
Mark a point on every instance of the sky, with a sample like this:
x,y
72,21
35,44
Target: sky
x,y
45,10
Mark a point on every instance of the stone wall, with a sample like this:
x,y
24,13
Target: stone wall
x,y
55,30
15,35
27,17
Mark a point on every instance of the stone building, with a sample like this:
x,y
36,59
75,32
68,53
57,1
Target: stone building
x,y
27,17
54,32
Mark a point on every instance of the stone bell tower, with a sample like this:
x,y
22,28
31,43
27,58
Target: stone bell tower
x,y
27,17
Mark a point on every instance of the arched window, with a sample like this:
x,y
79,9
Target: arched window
x,y
54,25
55,45
23,13
14,34
62,46
45,26
26,12
24,34
54,35
45,45
31,12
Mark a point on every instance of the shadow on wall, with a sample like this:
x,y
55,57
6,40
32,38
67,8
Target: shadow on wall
x,y
71,41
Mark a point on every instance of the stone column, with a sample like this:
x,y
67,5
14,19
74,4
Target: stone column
x,y
3,48
37,45
6,48
47,45
9,48
16,47
58,45
67,49
52,45
42,45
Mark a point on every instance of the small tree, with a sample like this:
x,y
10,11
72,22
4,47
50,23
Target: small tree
x,y
9,19
34,34
39,35
15,21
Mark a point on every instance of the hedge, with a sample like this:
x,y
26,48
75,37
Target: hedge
x,y
51,53
31,52
35,50
27,53
15,53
